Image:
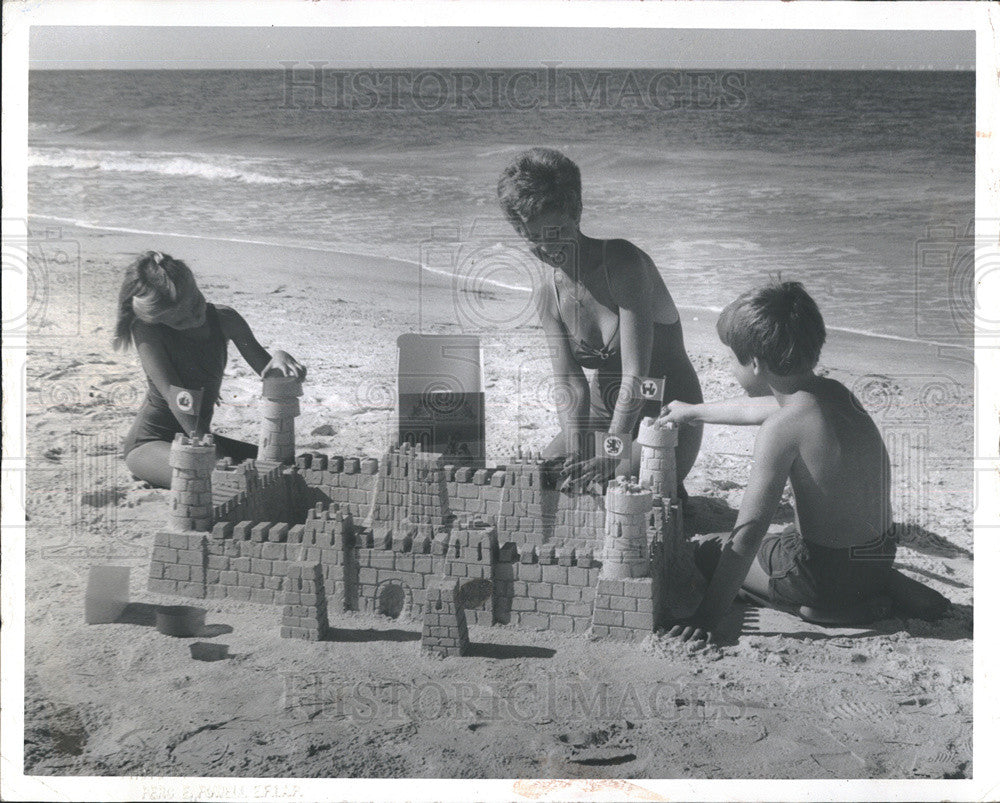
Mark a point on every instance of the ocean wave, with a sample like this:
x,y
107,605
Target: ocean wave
x,y
848,330
207,167
736,244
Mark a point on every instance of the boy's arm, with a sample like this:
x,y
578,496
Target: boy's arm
x,y
774,452
739,411
235,327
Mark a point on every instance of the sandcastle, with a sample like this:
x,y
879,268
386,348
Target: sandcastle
x,y
409,535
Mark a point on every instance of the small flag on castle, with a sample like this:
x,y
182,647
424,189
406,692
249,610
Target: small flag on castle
x,y
607,444
651,387
185,404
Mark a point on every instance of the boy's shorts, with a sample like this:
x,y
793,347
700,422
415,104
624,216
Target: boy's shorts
x,y
804,573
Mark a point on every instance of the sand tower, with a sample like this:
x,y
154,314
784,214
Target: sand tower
x,y
658,463
627,506
281,405
192,461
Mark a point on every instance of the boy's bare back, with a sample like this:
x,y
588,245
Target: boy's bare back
x,y
840,475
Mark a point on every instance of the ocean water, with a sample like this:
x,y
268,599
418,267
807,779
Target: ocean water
x,y
843,180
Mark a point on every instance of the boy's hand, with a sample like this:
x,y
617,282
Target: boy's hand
x,y
580,474
678,412
284,364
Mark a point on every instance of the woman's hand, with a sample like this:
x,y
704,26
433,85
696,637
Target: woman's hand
x,y
578,474
678,412
284,364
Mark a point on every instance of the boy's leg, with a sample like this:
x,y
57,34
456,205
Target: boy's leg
x,y
150,461
708,550
758,581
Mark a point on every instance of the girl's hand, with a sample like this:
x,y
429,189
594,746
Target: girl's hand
x,y
678,412
284,364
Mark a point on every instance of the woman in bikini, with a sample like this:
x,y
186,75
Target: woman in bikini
x,y
603,307
182,342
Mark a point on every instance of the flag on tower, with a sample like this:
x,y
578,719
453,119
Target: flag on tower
x,y
651,387
185,404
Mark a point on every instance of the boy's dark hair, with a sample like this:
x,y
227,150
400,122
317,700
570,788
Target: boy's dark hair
x,y
778,323
537,181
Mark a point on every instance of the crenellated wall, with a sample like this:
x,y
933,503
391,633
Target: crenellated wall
x,y
519,497
377,534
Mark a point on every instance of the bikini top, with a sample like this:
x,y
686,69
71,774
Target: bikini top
x,y
584,353
587,355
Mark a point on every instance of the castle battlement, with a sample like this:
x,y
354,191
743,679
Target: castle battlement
x,y
374,534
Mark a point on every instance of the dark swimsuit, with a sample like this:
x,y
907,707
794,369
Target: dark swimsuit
x,y
668,359
198,363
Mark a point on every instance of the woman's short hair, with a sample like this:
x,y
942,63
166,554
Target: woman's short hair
x,y
778,323
537,181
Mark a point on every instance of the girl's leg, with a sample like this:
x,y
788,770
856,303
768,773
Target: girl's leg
x,y
150,461
237,451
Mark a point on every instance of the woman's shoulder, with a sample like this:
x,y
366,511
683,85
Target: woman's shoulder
x,y
627,265
624,256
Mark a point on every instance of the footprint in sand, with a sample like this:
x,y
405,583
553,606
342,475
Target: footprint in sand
x,y
944,763
859,709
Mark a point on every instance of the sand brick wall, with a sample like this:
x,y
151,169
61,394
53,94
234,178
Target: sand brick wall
x,y
381,533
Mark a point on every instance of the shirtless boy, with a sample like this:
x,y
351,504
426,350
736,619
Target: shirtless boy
x,y
814,432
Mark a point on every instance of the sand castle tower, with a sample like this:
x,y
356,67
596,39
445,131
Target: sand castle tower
x,y
192,461
658,463
626,553
281,405
624,603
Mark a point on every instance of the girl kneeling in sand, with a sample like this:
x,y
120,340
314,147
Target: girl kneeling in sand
x,y
181,340
603,306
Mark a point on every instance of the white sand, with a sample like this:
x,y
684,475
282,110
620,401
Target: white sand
x,y
786,699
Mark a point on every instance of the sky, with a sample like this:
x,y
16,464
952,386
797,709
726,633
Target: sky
x,y
149,47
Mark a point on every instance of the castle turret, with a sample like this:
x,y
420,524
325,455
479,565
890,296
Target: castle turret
x,y
192,461
658,462
627,507
281,405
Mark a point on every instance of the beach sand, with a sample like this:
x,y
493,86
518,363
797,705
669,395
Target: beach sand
x,y
783,700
